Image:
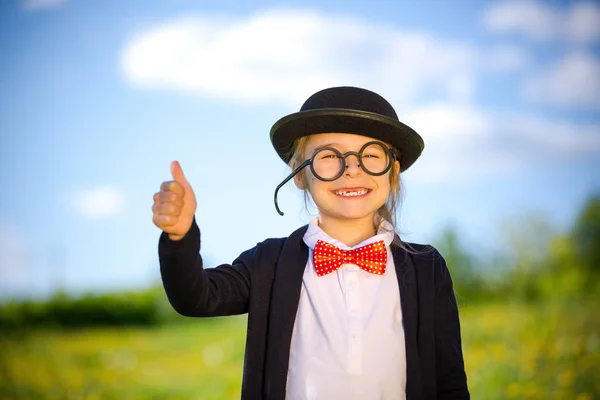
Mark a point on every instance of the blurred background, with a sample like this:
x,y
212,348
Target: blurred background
x,y
97,98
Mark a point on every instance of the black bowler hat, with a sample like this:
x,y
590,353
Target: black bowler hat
x,y
348,110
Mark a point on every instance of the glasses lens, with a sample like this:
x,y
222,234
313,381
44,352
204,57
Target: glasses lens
x,y
327,163
375,158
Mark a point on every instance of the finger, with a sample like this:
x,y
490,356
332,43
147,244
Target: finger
x,y
168,197
177,173
162,220
173,186
166,209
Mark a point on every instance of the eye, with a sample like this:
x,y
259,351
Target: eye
x,y
326,155
373,154
374,151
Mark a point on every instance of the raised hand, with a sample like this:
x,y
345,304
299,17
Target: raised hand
x,y
174,205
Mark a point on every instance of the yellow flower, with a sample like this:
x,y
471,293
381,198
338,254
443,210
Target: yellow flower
x,y
513,390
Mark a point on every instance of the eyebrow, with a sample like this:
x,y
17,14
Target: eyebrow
x,y
335,143
324,145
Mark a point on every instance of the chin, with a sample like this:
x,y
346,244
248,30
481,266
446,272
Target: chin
x,y
346,213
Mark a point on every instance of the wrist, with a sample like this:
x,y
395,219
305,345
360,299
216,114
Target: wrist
x,y
175,237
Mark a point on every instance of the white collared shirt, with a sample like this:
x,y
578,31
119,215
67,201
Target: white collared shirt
x,y
348,338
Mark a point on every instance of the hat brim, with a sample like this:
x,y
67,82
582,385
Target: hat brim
x,y
333,120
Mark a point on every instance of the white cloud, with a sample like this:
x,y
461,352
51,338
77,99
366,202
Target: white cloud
x,y
453,136
583,22
560,138
506,58
449,121
541,21
99,202
464,143
573,82
286,55
36,5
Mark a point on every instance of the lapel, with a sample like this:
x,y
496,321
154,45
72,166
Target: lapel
x,y
407,284
285,297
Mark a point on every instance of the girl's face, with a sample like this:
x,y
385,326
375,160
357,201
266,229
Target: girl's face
x,y
356,194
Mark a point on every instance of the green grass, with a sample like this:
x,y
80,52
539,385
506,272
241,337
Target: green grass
x,y
532,352
522,352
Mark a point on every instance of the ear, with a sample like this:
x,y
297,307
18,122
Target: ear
x,y
298,179
397,165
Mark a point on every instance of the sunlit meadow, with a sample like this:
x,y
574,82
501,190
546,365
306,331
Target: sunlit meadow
x,y
511,351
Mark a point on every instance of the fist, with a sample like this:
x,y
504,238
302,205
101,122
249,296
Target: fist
x,y
174,206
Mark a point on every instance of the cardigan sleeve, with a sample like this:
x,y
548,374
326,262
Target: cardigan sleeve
x,y
451,376
197,292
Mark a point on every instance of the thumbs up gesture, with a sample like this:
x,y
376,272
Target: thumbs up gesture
x,y
174,205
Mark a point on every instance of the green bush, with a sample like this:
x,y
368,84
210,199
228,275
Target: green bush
x,y
145,308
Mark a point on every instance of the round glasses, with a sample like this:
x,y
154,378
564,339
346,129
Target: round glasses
x,y
328,163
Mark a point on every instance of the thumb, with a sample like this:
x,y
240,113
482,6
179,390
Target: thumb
x,y
177,173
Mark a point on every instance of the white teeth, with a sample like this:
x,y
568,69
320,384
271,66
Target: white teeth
x,y
354,193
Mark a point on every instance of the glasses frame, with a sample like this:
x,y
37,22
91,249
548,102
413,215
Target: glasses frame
x,y
309,162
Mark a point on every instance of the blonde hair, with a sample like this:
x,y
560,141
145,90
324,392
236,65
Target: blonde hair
x,y
387,211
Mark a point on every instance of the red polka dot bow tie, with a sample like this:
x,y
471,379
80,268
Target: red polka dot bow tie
x,y
328,258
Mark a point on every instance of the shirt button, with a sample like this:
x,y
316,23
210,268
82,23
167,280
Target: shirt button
x,y
354,336
351,284
353,311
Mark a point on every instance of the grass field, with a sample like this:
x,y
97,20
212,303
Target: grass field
x,y
521,352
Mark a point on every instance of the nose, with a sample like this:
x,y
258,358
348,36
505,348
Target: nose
x,y
352,165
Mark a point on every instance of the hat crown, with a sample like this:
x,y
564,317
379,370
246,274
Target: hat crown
x,y
350,98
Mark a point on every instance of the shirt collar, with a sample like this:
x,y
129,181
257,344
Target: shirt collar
x,y
314,233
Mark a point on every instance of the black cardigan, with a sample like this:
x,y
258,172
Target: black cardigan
x,y
265,282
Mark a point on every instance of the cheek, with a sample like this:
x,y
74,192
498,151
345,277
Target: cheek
x,y
317,188
314,185
385,185
305,179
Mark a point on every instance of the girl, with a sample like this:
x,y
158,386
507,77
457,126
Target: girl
x,y
341,308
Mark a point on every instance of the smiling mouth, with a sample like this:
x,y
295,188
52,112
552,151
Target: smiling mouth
x,y
351,193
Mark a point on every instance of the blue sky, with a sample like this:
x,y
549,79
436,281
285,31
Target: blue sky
x,y
99,97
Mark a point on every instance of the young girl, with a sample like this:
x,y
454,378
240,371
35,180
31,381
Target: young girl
x,y
341,308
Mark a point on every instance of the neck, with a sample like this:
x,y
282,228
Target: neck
x,y
348,231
